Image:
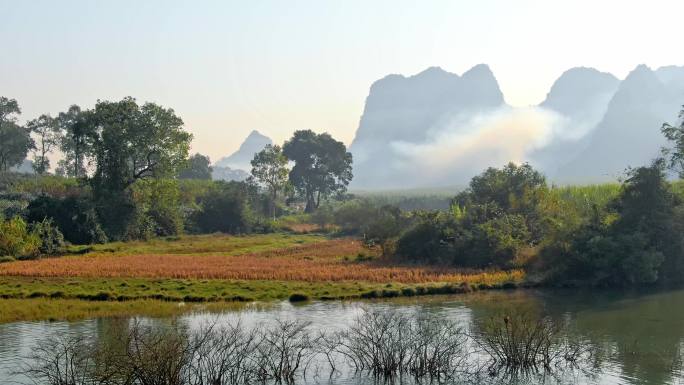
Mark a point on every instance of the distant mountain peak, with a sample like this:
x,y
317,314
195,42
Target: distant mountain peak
x,y
578,89
479,71
241,158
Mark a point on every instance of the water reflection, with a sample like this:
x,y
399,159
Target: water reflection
x,y
639,336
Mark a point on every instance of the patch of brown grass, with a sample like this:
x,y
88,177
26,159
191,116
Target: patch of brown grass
x,y
330,260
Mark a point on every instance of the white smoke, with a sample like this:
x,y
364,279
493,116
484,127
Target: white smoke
x,y
463,147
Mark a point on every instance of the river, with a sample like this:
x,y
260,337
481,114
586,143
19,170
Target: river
x,y
641,334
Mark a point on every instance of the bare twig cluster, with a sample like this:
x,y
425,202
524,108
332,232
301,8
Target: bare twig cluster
x,y
382,343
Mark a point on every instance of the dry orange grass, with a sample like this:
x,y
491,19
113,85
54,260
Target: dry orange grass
x,y
321,261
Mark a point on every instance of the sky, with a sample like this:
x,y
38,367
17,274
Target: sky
x,y
230,67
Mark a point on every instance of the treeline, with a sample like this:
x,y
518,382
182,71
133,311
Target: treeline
x,y
126,174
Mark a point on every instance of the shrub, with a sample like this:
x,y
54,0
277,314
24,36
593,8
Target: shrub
x,y
159,208
16,240
74,216
51,239
224,209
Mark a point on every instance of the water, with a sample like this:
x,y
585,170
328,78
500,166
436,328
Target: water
x,y
641,335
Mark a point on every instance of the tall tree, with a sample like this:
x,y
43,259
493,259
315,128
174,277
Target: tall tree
x,y
269,168
15,140
48,135
198,167
322,166
136,142
675,134
76,142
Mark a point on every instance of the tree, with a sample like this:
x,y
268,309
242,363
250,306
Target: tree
x,y
675,134
76,142
322,166
15,140
384,228
198,167
48,135
135,142
224,208
269,168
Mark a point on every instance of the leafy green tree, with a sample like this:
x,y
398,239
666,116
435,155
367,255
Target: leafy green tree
x,y
269,169
675,134
641,244
511,188
77,142
131,142
48,135
15,140
322,166
136,142
198,167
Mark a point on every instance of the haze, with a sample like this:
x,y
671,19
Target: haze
x,y
231,67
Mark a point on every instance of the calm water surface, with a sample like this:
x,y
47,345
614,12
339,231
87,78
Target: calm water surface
x,y
641,335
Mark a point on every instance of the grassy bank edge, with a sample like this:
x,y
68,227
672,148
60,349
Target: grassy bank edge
x,y
32,299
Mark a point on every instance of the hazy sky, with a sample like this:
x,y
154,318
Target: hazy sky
x,y
228,67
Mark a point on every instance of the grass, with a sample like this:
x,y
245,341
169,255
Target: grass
x,y
196,245
154,276
305,258
212,290
40,309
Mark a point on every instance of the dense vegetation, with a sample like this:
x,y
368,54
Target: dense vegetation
x,y
126,175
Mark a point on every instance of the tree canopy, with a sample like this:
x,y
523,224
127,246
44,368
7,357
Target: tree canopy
x,y
198,167
15,140
269,168
136,141
322,166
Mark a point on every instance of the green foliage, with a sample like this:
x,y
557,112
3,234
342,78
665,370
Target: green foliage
x,y
46,130
75,216
16,239
351,216
51,239
322,166
384,227
322,217
675,134
15,140
158,201
225,209
134,142
76,142
198,167
640,245
428,240
269,169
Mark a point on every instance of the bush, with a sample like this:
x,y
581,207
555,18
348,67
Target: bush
x,y
16,240
159,208
224,209
427,241
51,239
74,216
